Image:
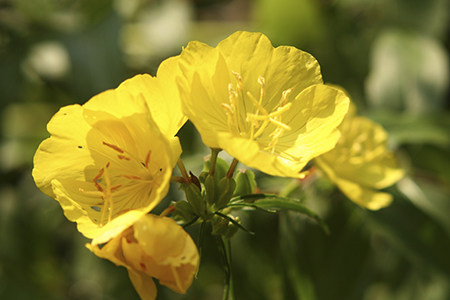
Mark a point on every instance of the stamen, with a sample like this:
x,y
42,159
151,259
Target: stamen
x,y
114,188
132,177
240,84
147,158
262,83
107,197
113,147
261,129
96,178
231,109
284,95
282,125
129,156
260,119
91,193
258,105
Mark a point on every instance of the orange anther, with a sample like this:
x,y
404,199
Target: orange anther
x,y
131,177
147,158
116,187
113,147
96,178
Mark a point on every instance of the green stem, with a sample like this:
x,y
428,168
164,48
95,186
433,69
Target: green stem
x,y
180,165
179,179
212,160
225,249
232,168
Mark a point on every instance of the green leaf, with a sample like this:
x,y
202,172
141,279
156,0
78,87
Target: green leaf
x,y
414,234
272,203
432,129
429,198
409,73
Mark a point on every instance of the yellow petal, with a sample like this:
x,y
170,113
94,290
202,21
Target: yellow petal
x,y
172,250
153,247
113,251
144,285
161,95
364,196
250,54
61,156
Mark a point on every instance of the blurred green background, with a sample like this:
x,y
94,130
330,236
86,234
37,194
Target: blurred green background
x,y
390,55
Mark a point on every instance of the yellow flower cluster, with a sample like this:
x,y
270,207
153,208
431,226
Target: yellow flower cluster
x,y
109,161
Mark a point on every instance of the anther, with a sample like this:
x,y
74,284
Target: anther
x,y
284,95
147,158
132,177
96,178
239,81
113,147
262,83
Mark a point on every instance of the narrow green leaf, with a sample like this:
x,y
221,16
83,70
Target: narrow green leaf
x,y
275,203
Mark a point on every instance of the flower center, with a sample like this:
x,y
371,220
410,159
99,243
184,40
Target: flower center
x,y
106,189
257,118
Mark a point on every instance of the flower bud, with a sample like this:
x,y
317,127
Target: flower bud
x,y
220,169
210,188
245,183
195,199
183,211
226,188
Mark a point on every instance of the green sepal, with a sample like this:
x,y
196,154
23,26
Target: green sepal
x,y
195,199
234,223
210,189
226,189
231,230
202,176
273,203
225,225
183,211
219,225
245,183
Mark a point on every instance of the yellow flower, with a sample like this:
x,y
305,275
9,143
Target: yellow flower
x,y
110,161
360,163
265,106
154,247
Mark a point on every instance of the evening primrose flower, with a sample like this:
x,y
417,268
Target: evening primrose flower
x,y
265,106
154,247
109,161
361,163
